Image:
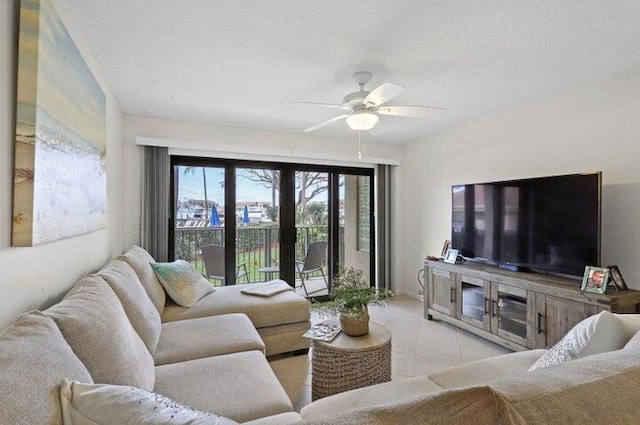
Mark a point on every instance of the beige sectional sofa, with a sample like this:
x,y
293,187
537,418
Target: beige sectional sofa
x,y
109,330
117,327
600,389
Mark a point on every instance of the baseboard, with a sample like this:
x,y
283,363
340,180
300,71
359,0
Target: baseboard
x,y
412,294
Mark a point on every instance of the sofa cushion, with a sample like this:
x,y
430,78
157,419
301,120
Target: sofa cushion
x,y
240,386
394,392
598,389
633,343
283,308
289,418
104,404
206,336
599,333
140,261
631,323
482,371
472,405
182,282
136,303
34,358
96,327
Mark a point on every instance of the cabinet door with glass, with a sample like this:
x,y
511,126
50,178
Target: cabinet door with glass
x,y
509,312
474,305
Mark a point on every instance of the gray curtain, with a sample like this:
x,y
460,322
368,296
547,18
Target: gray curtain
x,y
383,212
155,202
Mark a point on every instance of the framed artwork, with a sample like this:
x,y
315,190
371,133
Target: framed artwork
x,y
59,179
616,277
451,256
595,279
445,247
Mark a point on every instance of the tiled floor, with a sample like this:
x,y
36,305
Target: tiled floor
x,y
419,347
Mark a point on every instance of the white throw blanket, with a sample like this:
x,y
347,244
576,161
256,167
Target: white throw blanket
x,y
267,289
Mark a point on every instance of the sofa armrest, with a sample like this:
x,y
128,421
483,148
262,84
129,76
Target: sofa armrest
x,y
482,371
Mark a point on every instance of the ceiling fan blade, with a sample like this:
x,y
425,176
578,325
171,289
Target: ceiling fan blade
x,y
323,123
323,105
382,94
408,111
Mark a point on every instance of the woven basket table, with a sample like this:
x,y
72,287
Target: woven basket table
x,y
347,363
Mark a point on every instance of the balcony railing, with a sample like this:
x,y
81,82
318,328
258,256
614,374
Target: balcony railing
x,y
258,246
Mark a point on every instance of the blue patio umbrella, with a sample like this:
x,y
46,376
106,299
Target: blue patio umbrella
x,y
215,218
245,215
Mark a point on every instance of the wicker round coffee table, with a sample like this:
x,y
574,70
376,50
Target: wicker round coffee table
x,y
349,362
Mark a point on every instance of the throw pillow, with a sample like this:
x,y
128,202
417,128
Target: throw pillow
x,y
139,260
34,357
96,327
600,333
136,303
93,404
634,343
182,282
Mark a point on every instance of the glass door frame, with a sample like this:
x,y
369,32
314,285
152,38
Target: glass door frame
x,y
287,225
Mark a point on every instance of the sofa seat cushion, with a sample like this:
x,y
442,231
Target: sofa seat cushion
x,y
104,404
134,299
140,261
289,418
282,308
285,338
240,386
34,358
394,392
96,327
471,405
482,371
206,336
599,389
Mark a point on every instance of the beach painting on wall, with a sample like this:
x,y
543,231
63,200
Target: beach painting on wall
x,y
60,184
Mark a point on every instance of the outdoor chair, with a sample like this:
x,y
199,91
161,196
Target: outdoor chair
x,y
314,261
213,258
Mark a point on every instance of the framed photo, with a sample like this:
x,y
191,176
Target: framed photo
x,y
445,247
595,279
616,277
451,256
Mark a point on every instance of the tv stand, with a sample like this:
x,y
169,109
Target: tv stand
x,y
515,309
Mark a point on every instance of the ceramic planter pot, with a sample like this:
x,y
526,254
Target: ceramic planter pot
x,y
355,324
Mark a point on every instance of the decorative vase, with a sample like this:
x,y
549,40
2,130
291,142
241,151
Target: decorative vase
x,y
355,324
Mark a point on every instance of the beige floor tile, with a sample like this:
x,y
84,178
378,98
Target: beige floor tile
x,y
420,347
477,348
403,364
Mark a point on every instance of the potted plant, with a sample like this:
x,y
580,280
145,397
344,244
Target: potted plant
x,y
349,299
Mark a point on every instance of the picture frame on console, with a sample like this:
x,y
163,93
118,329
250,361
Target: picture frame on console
x,y
451,256
595,279
616,278
445,247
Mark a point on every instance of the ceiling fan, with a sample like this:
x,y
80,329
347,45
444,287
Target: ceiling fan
x,y
364,107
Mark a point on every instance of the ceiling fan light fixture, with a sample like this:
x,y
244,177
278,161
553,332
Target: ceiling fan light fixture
x,y
362,121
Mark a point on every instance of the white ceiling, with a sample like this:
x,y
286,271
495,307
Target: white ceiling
x,y
243,61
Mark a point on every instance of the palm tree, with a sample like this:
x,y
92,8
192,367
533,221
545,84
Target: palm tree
x,y
190,169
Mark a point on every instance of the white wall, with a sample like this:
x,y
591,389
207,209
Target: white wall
x,y
594,127
34,278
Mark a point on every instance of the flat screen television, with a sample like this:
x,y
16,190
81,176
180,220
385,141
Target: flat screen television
x,y
545,224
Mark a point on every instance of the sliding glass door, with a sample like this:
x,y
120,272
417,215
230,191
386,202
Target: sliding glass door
x,y
243,222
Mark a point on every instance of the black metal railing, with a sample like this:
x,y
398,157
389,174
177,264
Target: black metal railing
x,y
257,246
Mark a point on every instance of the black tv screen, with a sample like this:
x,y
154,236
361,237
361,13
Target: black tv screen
x,y
549,224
